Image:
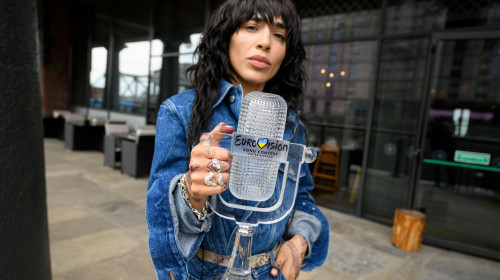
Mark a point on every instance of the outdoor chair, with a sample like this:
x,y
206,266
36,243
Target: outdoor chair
x,y
114,132
80,134
137,151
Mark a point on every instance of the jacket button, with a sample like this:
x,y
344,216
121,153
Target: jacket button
x,y
231,98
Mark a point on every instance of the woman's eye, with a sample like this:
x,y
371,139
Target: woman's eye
x,y
280,36
251,27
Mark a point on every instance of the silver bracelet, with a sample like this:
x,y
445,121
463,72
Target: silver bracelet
x,y
200,215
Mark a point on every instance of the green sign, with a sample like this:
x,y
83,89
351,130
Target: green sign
x,y
472,157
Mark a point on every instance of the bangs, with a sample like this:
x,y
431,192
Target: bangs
x,y
265,10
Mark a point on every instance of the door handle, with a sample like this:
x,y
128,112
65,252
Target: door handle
x,y
417,153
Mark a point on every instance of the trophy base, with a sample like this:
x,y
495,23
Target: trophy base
x,y
239,264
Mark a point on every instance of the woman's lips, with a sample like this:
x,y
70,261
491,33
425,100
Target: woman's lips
x,y
260,61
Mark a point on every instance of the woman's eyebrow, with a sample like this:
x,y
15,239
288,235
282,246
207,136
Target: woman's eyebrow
x,y
280,24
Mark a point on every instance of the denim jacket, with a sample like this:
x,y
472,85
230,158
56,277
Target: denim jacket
x,y
175,234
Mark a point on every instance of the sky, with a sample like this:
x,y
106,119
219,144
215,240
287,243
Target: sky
x,y
134,58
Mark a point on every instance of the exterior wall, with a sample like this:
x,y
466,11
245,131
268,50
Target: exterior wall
x,y
366,85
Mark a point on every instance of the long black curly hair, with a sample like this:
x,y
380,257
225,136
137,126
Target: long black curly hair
x,y
213,58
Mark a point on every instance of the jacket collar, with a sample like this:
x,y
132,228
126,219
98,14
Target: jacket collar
x,y
225,88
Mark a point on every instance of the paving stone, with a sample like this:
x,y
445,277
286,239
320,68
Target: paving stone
x,y
382,241
106,177
410,271
435,275
133,190
57,200
122,212
67,183
90,249
69,229
61,170
124,267
464,267
82,191
325,273
139,232
360,261
64,213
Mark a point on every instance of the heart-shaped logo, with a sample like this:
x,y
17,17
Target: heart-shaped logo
x,y
262,143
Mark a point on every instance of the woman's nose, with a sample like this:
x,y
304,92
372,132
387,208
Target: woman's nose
x,y
264,41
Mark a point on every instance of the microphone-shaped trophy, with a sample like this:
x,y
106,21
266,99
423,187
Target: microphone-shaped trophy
x,y
259,193
264,115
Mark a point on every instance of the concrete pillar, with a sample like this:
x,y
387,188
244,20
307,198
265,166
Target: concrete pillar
x,y
24,240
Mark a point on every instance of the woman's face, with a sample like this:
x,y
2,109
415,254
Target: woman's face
x,y
256,51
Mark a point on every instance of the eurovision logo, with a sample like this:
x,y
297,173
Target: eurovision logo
x,y
271,145
262,143
245,145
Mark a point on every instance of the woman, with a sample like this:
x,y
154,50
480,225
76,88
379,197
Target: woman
x,y
250,45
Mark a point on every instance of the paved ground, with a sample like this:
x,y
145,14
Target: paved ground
x,y
97,231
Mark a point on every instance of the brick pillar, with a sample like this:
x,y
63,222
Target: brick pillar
x,y
24,240
55,47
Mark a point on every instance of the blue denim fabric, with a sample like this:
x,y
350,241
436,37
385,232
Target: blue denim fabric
x,y
174,232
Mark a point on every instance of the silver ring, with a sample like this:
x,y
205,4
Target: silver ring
x,y
220,182
216,164
208,178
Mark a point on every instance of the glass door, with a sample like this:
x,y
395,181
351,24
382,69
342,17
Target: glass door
x,y
336,107
398,106
459,175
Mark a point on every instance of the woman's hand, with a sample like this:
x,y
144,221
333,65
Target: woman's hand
x,y
290,257
205,177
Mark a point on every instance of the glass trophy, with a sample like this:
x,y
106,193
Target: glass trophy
x,y
263,196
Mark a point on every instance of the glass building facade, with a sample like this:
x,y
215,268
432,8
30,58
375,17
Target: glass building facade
x,y
404,94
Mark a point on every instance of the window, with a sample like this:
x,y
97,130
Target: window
x,y
133,77
312,107
327,108
98,77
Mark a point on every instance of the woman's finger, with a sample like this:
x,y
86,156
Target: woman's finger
x,y
211,186
218,133
213,137
224,166
193,165
202,154
275,269
222,179
289,261
206,139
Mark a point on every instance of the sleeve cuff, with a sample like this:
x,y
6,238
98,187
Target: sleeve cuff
x,y
188,222
188,226
306,225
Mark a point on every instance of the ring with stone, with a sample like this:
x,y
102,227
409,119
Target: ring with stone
x,y
216,164
208,179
